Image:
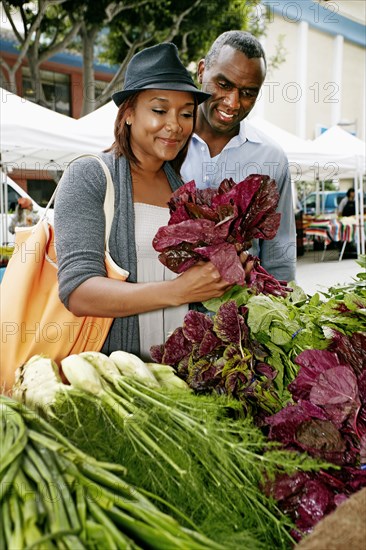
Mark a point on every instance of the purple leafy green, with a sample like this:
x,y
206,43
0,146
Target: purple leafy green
x,y
327,420
217,225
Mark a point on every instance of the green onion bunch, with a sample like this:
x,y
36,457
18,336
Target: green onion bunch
x,y
54,496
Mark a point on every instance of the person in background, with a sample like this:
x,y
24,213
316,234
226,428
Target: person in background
x,y
24,215
347,208
225,145
155,120
347,205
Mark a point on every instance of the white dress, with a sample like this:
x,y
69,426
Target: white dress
x,y
155,326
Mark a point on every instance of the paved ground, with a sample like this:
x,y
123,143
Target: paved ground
x,y
315,275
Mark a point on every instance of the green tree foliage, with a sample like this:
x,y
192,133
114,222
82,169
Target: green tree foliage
x,y
112,31
192,26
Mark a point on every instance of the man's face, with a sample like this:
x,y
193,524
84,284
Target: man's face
x,y
234,81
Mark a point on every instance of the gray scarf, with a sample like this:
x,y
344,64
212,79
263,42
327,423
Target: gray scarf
x,y
124,332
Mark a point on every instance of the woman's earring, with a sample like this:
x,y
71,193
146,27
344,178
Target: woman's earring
x,y
128,122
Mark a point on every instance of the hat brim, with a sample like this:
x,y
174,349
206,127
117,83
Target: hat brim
x,y
119,97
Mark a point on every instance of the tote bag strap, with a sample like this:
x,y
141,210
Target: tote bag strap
x,y
108,201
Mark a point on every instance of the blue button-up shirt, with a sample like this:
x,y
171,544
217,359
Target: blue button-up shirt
x,y
251,152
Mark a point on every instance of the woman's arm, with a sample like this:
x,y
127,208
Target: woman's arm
x,y
103,297
80,225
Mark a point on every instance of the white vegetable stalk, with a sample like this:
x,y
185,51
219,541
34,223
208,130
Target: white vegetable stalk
x,y
103,364
166,376
82,374
37,381
131,365
85,373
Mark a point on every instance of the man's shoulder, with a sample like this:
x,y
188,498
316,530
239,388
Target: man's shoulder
x,y
261,139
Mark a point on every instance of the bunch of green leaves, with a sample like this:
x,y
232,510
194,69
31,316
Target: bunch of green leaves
x,y
341,307
280,326
287,326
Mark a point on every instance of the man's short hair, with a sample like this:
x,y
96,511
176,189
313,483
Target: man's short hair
x,y
242,41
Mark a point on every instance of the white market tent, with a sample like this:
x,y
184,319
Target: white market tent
x,y
33,137
340,145
99,125
333,155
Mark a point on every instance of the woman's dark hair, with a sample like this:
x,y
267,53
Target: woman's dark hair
x,y
349,192
122,143
241,41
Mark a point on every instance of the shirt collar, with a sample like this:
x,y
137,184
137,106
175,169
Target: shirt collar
x,y
247,132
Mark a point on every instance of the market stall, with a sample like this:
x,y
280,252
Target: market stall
x,y
341,230
347,154
157,455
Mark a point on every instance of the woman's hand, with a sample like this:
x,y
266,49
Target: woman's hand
x,y
199,283
243,257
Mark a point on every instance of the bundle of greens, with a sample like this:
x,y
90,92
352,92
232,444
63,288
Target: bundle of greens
x,y
217,225
193,459
55,496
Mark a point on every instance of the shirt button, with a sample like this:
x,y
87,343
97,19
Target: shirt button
x,y
202,148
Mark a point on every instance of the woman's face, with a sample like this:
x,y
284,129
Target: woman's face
x,y
161,123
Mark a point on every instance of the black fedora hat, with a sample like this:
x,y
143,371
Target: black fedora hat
x,y
157,67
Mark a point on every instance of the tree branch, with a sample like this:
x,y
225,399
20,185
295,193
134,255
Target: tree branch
x,y
60,46
118,78
179,19
18,36
4,64
114,8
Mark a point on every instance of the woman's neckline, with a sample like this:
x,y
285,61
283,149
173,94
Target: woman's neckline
x,y
151,205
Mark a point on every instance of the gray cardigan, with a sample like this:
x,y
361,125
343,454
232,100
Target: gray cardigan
x,y
79,234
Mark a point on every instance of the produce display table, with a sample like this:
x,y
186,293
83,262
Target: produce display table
x,y
333,230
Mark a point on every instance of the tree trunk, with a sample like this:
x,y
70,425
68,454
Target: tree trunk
x,y
89,37
8,77
36,77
